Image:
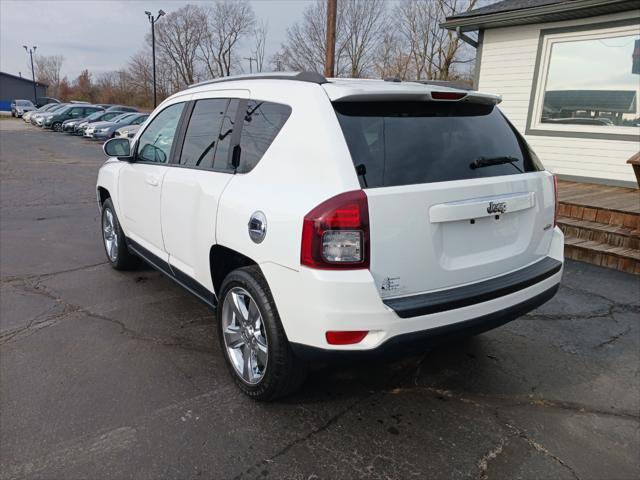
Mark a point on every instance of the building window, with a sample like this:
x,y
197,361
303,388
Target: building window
x,y
589,83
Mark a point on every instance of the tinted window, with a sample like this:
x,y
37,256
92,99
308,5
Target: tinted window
x,y
155,142
403,143
226,132
203,133
24,103
95,116
262,122
122,117
109,115
139,120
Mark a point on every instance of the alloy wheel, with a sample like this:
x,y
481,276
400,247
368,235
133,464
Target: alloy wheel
x,y
244,335
110,235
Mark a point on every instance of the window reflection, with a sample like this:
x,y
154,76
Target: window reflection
x,y
594,82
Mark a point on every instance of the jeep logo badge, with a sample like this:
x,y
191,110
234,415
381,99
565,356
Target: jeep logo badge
x,y
497,207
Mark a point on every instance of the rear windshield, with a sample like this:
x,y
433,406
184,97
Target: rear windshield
x,y
404,143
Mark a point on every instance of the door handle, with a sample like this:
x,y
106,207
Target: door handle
x,y
153,181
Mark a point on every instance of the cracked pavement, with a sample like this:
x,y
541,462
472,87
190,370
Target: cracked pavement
x,y
117,375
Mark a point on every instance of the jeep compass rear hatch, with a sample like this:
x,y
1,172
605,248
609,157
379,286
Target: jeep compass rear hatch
x,y
455,195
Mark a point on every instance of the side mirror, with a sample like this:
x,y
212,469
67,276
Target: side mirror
x,y
118,147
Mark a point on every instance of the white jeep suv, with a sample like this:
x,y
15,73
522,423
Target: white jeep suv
x,y
333,216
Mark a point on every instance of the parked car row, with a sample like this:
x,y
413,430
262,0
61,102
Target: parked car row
x,y
97,121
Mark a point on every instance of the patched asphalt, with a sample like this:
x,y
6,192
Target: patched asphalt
x,y
116,375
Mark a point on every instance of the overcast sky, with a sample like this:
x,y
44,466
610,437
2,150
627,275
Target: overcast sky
x,y
101,35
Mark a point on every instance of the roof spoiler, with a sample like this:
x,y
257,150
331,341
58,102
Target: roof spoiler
x,y
417,94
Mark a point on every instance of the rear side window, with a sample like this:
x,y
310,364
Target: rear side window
x,y
262,122
206,141
404,143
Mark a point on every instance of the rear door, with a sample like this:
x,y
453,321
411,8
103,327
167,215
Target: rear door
x,y
455,194
193,186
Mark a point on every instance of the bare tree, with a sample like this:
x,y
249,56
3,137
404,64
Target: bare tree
x,y
277,62
47,69
140,71
227,23
392,61
259,44
432,50
364,22
178,38
305,48
451,50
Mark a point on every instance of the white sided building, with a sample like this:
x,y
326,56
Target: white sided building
x,y
569,75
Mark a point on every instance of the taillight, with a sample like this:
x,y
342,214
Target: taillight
x,y
555,201
335,234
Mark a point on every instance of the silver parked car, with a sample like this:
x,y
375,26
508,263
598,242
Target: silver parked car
x,y
20,107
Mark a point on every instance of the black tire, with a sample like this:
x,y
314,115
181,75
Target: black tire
x,y
123,258
56,127
284,372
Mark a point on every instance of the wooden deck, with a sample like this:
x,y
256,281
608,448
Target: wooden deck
x,y
601,224
617,199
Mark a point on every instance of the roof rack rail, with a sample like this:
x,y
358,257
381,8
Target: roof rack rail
x,y
310,77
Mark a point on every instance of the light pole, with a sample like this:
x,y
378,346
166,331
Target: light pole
x,y
251,59
153,21
33,73
329,60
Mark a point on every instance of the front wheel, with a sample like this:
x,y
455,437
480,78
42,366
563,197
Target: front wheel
x,y
113,239
57,127
253,340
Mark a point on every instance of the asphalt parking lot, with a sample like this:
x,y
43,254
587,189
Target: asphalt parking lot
x,y
116,375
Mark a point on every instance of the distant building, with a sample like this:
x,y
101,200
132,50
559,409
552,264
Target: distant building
x,y
13,87
569,75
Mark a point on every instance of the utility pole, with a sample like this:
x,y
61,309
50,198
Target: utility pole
x,y
251,59
33,73
329,61
153,21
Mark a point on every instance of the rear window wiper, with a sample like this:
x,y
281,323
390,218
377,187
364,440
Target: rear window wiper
x,y
490,161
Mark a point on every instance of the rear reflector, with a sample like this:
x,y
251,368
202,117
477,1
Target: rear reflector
x,y
447,95
346,338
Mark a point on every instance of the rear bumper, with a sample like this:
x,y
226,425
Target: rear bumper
x,y
424,304
312,302
416,342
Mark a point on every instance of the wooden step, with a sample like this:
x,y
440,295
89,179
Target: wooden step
x,y
603,254
600,232
620,218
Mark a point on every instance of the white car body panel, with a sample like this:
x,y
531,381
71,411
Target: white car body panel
x,y
420,234
311,302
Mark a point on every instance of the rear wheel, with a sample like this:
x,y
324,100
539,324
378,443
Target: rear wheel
x,y
113,239
253,340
